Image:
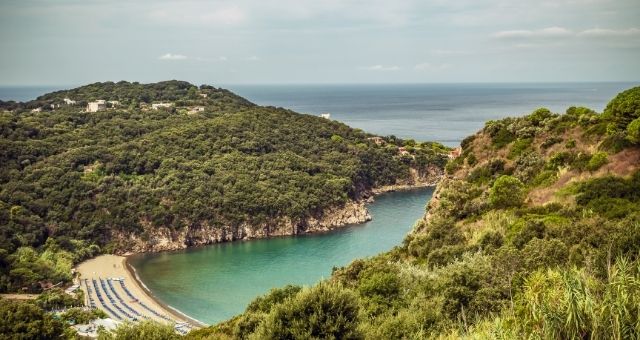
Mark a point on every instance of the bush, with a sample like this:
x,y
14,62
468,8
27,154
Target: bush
x,y
597,161
507,192
322,312
624,108
24,320
633,131
148,330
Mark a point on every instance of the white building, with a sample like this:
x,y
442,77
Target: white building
x,y
196,109
96,106
37,110
69,101
157,106
325,115
114,103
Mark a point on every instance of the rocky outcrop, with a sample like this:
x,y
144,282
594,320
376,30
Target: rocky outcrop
x,y
154,239
417,179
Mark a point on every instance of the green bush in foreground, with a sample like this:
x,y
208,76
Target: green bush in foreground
x,y
24,320
321,312
145,330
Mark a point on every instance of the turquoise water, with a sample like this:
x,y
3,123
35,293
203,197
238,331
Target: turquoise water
x,y
216,282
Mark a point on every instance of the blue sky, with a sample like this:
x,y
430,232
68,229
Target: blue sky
x,y
320,41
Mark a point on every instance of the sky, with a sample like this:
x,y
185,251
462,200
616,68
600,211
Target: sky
x,y
57,42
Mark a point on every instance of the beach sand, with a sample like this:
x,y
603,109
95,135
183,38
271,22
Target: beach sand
x,y
113,266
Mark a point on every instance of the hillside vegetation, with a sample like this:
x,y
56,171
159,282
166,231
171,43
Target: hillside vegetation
x,y
70,180
535,233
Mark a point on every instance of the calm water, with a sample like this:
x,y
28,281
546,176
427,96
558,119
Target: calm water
x,y
442,112
216,282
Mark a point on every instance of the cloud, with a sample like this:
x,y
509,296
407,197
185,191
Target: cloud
x,y
191,13
381,68
431,67
544,33
170,56
606,33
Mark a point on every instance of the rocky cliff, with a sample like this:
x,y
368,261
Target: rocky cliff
x,y
154,239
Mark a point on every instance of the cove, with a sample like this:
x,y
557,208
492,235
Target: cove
x,y
216,282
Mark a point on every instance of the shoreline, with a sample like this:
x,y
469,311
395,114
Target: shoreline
x,y
108,266
165,307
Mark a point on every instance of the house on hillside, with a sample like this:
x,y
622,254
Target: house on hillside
x,y
455,153
39,109
114,103
378,140
69,101
96,106
403,151
203,95
196,109
157,106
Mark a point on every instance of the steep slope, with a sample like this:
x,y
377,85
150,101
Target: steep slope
x,y
207,167
535,232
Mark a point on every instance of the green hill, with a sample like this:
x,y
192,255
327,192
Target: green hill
x,y
210,167
534,233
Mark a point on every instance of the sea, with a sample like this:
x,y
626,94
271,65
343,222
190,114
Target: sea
x,y
425,112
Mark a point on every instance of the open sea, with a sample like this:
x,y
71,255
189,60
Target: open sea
x,y
441,112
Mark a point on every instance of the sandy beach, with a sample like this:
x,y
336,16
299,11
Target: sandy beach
x,y
123,287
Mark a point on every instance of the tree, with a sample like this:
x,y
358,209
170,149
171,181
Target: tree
x,y
633,131
24,320
322,312
507,192
624,108
146,330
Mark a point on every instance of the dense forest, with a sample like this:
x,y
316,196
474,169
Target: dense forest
x,y
534,233
70,179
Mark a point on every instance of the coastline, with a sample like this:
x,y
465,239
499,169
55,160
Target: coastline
x,y
165,307
114,266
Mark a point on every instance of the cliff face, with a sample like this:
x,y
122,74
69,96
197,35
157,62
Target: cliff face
x,y
155,239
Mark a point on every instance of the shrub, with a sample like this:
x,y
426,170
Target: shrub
x,y
519,147
624,108
142,330
507,192
24,320
597,161
275,296
550,142
544,253
324,311
539,115
633,131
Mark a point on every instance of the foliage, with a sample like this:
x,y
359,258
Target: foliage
x,y
322,312
597,160
144,330
633,131
624,108
507,191
24,320
80,315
